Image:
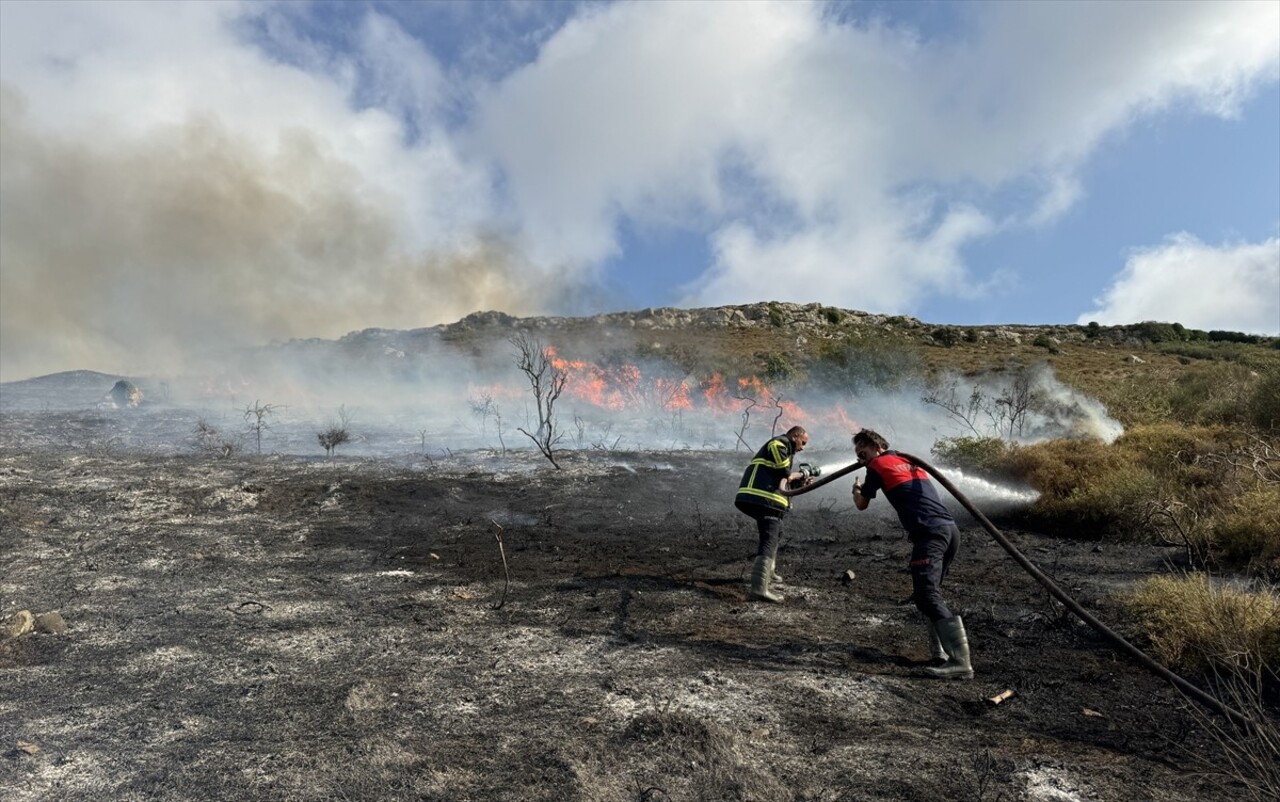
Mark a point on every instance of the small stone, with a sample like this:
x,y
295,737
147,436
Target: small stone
x,y
51,623
18,624
847,577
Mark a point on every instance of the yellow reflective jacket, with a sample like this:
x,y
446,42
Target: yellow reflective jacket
x,y
762,479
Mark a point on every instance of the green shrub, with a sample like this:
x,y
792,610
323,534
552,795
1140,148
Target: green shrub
x,y
1249,532
945,336
1233,337
856,365
1087,489
1110,505
1211,474
834,316
1264,406
982,455
1136,399
1158,332
1055,466
1170,447
1192,350
1226,351
1219,393
776,318
1093,331
1043,341
1199,626
776,367
971,335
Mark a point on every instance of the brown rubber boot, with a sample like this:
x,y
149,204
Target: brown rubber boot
x,y
956,642
760,582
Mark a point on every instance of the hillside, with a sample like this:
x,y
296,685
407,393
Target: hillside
x,y
794,344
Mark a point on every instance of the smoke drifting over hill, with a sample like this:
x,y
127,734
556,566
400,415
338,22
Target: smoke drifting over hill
x,y
193,238
427,393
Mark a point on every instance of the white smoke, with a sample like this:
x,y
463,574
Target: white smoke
x,y
1019,405
617,400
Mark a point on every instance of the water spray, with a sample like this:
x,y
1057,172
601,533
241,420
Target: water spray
x,y
1071,604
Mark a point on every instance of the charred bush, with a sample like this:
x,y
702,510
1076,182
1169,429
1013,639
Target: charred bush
x,y
331,438
206,439
337,432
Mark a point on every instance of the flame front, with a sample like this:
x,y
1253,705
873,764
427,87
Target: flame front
x,y
625,387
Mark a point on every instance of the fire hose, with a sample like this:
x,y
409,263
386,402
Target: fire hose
x,y
1071,604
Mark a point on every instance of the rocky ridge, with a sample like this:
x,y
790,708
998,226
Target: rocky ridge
x,y
810,320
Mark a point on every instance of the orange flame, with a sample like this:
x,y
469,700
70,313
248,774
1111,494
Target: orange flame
x,y
625,387
619,387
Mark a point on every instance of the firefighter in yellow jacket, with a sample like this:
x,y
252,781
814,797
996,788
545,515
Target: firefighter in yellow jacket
x,y
759,496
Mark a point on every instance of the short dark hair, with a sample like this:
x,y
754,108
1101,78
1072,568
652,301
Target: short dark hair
x,y
796,431
871,438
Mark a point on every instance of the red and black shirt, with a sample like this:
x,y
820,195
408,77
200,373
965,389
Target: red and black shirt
x,y
909,490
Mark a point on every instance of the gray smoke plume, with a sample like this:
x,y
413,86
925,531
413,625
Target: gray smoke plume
x,y
133,255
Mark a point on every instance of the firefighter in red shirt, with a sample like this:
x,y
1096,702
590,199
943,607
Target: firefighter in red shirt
x,y
934,537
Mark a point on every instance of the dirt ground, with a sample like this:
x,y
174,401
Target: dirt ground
x,y
281,628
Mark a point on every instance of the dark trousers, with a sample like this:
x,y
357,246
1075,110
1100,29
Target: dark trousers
x,y
932,551
768,523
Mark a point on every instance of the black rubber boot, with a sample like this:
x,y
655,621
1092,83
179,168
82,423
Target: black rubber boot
x,y
956,642
760,581
937,653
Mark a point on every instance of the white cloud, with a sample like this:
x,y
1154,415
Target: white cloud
x,y
1230,288
851,163
407,80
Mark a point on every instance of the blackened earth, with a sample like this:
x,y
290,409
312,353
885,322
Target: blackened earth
x,y
279,628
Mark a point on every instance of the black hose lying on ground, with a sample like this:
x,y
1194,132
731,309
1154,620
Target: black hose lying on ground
x,y
1058,593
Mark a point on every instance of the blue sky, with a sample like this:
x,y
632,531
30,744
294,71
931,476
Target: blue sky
x,y
177,174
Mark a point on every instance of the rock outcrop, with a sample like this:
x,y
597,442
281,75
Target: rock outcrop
x,y
125,395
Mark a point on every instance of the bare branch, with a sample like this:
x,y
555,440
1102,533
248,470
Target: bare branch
x,y
964,412
746,421
258,417
497,535
546,381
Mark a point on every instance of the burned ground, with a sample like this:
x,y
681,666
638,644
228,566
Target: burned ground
x,y
284,628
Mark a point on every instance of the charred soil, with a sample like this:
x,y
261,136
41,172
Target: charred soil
x,y
279,628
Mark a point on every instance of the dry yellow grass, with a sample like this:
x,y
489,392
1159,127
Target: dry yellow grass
x,y
1200,625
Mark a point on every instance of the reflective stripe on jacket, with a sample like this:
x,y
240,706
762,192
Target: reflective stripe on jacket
x,y
762,479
